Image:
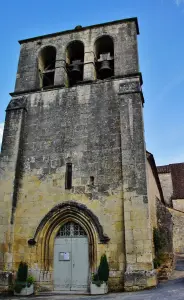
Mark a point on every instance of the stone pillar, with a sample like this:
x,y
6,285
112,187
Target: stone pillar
x,y
89,66
139,272
9,176
60,70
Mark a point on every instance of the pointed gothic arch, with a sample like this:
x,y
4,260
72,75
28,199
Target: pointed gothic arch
x,y
49,226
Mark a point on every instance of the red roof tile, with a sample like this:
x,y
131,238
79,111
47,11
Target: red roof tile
x,y
177,174
164,169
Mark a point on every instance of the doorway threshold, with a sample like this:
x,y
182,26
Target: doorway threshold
x,y
50,293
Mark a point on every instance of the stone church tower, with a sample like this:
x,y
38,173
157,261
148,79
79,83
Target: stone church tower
x,y
73,162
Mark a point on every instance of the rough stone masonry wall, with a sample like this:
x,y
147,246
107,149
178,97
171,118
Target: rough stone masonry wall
x,y
164,246
138,233
178,204
153,195
124,36
82,126
167,187
165,224
178,225
99,128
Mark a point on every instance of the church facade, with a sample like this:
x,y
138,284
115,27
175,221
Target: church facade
x,y
76,181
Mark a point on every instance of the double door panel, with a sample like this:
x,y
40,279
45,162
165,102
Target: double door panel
x,y
71,267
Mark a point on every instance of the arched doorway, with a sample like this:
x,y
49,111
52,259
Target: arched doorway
x,y
71,258
43,242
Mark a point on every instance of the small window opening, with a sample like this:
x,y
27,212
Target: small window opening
x,y
104,51
91,180
46,66
68,176
75,62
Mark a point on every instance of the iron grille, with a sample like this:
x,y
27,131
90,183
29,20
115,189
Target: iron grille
x,y
71,229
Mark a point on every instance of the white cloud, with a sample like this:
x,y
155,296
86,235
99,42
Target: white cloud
x,y
178,2
1,132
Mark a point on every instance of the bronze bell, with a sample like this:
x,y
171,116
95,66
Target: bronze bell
x,y
76,71
105,69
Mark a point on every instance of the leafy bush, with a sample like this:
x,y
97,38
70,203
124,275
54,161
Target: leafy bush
x,y
102,275
22,279
156,263
95,276
103,270
30,280
22,272
160,242
159,239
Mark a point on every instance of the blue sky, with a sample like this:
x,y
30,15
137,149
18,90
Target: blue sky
x,y
161,51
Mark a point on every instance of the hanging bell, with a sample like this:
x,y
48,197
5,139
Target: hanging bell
x,y
105,69
75,71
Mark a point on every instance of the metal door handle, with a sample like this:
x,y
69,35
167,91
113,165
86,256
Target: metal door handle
x,y
73,265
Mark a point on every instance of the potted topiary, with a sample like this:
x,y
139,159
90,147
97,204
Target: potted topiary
x,y
24,284
100,278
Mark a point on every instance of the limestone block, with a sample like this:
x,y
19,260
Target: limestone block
x,y
144,258
136,280
129,235
131,258
127,216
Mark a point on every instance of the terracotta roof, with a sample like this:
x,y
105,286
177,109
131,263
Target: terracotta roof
x,y
164,169
177,175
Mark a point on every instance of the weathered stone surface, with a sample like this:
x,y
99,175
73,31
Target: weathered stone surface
x,y
178,225
97,126
167,187
137,280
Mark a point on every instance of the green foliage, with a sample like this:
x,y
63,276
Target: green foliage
x,y
95,277
22,272
102,275
156,263
22,279
30,280
96,280
159,240
160,259
103,270
98,283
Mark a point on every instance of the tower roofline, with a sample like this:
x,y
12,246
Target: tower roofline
x,y
82,29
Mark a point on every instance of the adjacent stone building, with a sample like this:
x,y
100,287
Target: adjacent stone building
x,y
172,182
76,181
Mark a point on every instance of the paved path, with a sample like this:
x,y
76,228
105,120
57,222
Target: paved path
x,y
172,289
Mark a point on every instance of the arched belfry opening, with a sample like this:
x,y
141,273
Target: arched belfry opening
x,y
46,66
75,62
104,53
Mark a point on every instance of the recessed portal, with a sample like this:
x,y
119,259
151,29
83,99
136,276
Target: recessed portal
x,y
71,258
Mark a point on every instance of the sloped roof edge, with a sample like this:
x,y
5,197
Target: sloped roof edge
x,y
151,161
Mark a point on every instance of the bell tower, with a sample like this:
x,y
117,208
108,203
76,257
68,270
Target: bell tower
x,y
73,151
